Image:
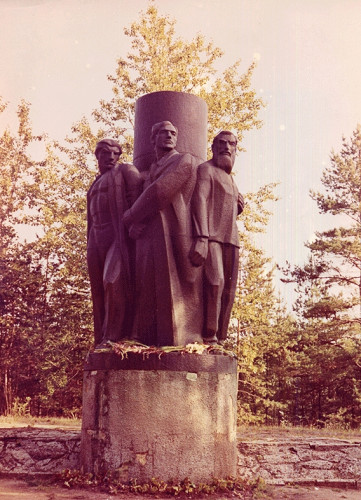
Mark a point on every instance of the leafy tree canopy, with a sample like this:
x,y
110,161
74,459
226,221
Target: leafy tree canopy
x,y
160,60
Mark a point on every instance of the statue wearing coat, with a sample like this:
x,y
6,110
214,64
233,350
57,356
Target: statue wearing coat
x,y
168,298
216,204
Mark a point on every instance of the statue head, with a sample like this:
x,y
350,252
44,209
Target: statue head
x,y
164,137
224,148
107,152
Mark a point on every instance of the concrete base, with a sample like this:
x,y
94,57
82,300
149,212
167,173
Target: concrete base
x,y
171,417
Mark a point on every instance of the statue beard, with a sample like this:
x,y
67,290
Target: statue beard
x,y
225,162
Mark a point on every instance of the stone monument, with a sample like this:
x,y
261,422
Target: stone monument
x,y
169,415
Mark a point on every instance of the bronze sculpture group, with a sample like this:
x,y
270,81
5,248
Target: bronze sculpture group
x,y
163,244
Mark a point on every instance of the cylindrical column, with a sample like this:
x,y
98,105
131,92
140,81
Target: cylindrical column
x,y
171,416
186,111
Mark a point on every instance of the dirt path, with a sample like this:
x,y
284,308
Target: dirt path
x,y
16,489
311,493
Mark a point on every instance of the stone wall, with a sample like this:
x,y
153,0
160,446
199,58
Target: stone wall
x,y
322,461
38,451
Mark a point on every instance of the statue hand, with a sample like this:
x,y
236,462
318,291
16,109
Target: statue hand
x,y
199,252
240,203
136,230
127,219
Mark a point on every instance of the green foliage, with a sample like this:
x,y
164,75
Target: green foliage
x,y
21,287
326,376
16,168
327,368
336,253
44,317
20,409
261,330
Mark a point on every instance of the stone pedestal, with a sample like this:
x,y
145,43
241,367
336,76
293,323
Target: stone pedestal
x,y
169,417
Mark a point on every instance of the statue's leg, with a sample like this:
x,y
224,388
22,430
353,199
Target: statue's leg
x,y
230,269
116,296
95,267
144,326
213,288
99,241
114,299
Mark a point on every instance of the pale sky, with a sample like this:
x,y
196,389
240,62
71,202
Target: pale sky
x,y
56,55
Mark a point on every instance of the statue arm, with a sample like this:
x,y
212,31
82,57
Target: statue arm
x,y
88,216
240,204
161,192
200,201
200,207
133,183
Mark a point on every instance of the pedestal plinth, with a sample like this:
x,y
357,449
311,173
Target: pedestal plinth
x,y
169,417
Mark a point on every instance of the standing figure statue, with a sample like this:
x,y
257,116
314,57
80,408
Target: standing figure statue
x,y
109,252
168,298
215,206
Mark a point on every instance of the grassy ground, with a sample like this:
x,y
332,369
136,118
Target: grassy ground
x,y
244,432
283,432
42,422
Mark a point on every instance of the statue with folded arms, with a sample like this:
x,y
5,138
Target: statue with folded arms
x,y
168,298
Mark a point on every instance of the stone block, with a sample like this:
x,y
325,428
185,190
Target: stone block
x,y
38,451
170,417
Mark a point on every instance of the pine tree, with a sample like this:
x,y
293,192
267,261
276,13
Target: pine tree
x,y
329,302
336,253
262,331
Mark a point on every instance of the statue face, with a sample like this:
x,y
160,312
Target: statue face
x,y
108,158
166,139
224,151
